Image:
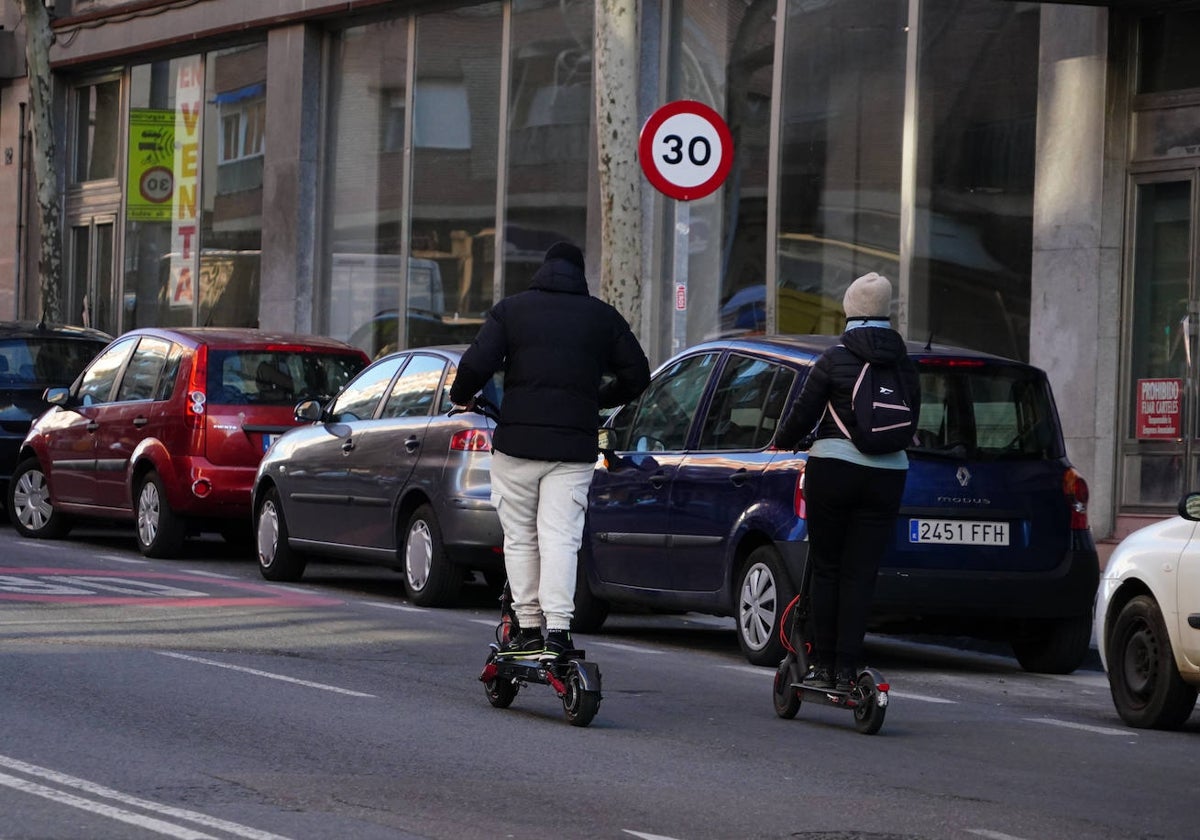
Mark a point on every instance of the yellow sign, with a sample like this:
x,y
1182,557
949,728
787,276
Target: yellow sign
x,y
151,179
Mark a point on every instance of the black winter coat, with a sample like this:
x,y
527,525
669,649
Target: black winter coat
x,y
554,342
832,379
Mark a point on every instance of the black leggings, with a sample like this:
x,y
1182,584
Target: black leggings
x,y
851,517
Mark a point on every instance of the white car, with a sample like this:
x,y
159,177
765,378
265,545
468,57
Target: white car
x,y
1148,620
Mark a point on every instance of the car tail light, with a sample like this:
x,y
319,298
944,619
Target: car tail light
x,y
197,389
1076,491
471,440
798,499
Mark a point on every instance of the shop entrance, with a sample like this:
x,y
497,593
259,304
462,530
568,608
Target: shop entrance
x,y
1161,436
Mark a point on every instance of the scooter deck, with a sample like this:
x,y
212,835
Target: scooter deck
x,y
833,697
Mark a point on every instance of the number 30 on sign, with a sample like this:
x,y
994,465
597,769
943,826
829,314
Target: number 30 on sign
x,y
686,150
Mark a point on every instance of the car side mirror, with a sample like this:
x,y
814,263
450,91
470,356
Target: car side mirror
x,y
308,411
1189,507
57,396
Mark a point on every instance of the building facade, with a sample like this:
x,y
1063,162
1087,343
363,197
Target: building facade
x,y
382,172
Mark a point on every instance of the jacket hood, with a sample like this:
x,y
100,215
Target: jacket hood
x,y
558,275
875,344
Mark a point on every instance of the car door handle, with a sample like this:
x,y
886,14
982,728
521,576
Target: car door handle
x,y
92,426
657,480
140,421
739,478
412,443
348,445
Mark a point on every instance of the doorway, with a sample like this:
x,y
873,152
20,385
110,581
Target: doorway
x,y
90,299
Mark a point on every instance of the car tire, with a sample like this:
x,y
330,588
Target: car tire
x,y
764,589
277,560
1054,647
29,506
1142,675
590,611
430,578
160,531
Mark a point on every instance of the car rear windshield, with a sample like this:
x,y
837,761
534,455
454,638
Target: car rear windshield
x,y
277,377
44,361
983,411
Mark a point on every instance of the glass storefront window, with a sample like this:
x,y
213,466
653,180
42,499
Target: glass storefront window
x,y
231,180
723,56
193,222
973,242
456,125
549,134
365,153
841,135
97,129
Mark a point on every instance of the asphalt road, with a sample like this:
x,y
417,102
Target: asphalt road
x,y
191,699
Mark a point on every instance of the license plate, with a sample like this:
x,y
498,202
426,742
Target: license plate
x,y
957,532
267,441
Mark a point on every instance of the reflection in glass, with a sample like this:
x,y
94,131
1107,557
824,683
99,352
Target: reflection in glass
x,y
360,295
456,99
231,186
973,221
97,126
549,133
723,56
839,190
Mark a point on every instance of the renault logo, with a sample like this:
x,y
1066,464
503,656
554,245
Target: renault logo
x,y
964,476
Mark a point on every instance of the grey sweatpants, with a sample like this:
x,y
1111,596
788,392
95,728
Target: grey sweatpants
x,y
541,505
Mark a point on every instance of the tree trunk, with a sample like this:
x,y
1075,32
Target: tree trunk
x,y
38,38
616,69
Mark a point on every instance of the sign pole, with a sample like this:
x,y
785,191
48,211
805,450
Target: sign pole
x,y
683,223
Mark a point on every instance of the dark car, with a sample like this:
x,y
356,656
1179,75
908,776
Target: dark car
x,y
692,508
34,357
166,427
385,475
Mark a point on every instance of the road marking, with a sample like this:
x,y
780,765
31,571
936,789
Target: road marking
x,y
1066,724
922,698
398,607
266,674
201,573
629,648
645,836
94,789
993,835
116,559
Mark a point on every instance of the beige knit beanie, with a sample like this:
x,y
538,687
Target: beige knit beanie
x,y
870,296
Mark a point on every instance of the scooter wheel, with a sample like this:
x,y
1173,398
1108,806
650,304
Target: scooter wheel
x,y
579,705
786,698
501,692
869,714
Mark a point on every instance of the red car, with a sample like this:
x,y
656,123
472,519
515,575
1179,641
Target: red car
x,y
166,428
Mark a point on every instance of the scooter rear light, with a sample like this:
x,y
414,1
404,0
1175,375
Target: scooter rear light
x,y
197,389
1076,491
471,440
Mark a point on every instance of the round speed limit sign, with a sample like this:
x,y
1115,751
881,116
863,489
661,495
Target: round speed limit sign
x,y
685,149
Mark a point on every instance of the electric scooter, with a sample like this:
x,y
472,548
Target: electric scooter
x,y
575,680
868,699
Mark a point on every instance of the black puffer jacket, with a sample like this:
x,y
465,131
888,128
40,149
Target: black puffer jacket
x,y
554,343
832,379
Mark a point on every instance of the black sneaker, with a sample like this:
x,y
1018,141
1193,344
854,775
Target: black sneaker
x,y
821,677
558,642
523,644
845,680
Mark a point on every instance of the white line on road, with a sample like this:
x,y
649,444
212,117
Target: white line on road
x,y
201,573
922,698
108,793
399,607
266,674
992,835
1066,724
116,559
628,648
